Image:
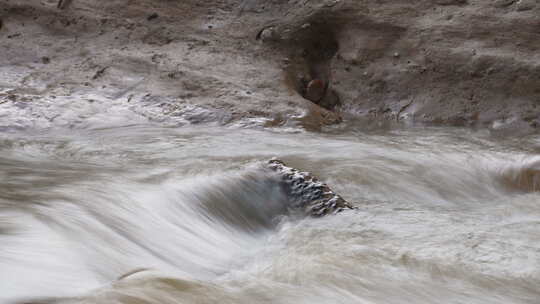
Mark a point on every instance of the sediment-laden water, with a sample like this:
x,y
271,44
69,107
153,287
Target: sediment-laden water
x,y
146,214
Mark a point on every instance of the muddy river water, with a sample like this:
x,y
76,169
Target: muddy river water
x,y
149,214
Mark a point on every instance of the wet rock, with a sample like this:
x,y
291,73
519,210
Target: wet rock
x,y
315,90
307,192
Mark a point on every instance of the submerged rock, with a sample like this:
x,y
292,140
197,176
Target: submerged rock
x,y
307,192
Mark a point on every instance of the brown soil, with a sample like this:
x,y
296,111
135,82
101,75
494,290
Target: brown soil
x,y
450,62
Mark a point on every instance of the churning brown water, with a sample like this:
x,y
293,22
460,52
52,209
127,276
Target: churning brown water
x,y
144,214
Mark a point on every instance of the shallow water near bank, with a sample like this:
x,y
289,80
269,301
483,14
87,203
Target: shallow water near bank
x,y
146,214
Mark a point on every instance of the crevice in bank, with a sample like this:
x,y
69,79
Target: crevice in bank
x,y
309,49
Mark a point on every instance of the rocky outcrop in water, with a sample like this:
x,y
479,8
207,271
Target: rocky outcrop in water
x,y
307,192
272,62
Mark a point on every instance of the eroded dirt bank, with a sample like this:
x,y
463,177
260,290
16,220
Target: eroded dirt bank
x,y
271,63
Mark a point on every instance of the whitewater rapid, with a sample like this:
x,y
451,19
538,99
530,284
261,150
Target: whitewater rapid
x,y
147,214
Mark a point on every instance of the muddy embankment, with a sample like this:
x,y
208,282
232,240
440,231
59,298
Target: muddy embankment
x,y
271,62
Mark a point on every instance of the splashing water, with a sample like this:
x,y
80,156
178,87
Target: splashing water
x,y
145,214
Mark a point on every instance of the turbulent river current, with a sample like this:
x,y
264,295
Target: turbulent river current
x,y
149,214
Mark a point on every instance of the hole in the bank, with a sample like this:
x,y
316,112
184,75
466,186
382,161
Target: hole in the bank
x,y
309,73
